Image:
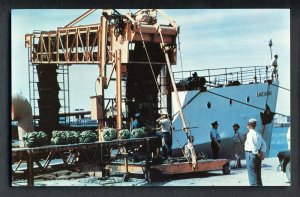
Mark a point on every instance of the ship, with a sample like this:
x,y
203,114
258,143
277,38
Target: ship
x,y
136,52
234,96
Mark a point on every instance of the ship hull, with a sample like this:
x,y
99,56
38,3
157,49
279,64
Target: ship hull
x,y
227,105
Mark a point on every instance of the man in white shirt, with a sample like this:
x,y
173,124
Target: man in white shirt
x,y
215,140
255,146
165,124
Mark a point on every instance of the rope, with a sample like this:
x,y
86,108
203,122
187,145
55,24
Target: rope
x,y
139,27
228,99
180,56
280,87
188,102
148,58
245,103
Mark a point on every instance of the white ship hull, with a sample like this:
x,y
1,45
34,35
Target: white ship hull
x,y
247,101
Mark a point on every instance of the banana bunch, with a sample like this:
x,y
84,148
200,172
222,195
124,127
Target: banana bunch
x,y
138,133
109,134
87,137
124,134
35,139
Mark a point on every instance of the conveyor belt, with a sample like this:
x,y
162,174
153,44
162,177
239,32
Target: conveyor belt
x,y
92,153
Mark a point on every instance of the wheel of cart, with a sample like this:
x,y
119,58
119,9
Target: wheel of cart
x,y
152,174
126,177
226,168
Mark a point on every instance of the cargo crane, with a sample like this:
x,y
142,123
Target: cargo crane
x,y
134,48
133,45
117,43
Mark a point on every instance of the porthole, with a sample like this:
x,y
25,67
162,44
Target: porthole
x,y
208,105
248,99
230,101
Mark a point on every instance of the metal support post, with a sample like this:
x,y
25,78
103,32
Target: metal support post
x,y
30,179
102,64
118,90
126,164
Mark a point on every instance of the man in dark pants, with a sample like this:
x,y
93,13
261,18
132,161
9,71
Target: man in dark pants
x,y
165,124
215,140
238,141
255,146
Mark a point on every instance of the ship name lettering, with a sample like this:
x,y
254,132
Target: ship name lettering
x,y
261,94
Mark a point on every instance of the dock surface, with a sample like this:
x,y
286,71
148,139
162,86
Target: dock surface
x,y
237,177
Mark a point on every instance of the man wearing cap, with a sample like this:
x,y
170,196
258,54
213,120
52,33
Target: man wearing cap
x,y
274,65
238,141
215,140
165,124
255,146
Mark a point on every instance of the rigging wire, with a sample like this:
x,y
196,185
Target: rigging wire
x,y
243,103
180,56
225,98
148,58
179,145
281,87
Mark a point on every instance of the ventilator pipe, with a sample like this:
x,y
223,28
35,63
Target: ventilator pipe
x,y
21,111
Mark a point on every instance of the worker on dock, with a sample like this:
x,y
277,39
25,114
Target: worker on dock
x,y
274,65
238,142
189,148
136,123
215,140
255,146
165,127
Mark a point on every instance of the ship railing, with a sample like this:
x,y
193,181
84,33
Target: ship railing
x,y
219,77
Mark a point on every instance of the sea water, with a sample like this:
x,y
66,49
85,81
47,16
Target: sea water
x,y
278,141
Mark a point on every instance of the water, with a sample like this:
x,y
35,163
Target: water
x,y
278,142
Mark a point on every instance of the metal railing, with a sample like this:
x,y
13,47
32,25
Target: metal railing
x,y
219,77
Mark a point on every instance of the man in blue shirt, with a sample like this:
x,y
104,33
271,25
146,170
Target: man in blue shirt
x,y
215,140
136,122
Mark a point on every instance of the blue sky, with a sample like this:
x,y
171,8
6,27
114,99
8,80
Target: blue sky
x,y
210,38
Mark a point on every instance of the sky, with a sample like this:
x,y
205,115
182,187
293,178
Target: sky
x,y
209,38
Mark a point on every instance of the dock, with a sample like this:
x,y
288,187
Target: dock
x,y
237,177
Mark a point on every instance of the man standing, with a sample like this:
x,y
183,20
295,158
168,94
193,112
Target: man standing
x,y
165,124
238,141
136,123
255,146
274,65
215,140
